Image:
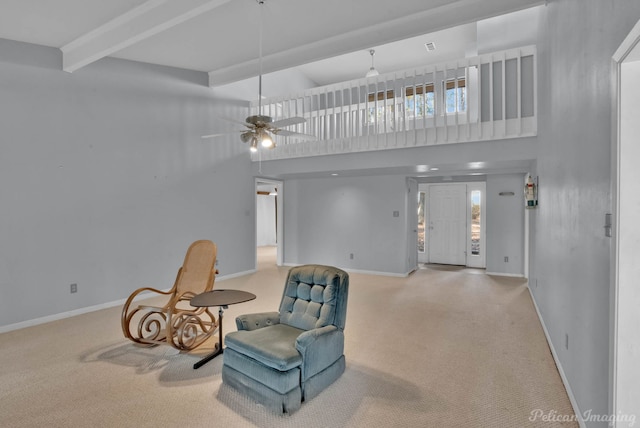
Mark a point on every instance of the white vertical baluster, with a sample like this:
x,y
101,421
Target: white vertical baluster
x,y
424,103
491,95
457,107
444,101
504,94
479,97
519,91
535,92
466,99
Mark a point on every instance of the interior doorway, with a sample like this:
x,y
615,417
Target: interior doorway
x,y
269,224
625,341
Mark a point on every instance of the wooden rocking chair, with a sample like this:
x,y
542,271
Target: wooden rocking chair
x,y
177,323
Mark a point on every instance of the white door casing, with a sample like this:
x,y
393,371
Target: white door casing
x,y
412,224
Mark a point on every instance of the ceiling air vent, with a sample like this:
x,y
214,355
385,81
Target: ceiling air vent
x,y
430,46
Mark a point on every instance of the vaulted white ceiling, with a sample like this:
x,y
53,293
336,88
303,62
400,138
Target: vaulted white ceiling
x,y
327,40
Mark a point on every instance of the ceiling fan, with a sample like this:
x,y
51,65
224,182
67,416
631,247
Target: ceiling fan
x,y
260,128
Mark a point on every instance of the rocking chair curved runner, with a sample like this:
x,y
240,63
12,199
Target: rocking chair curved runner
x,y
176,323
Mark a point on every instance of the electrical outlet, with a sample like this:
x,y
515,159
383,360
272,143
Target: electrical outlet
x,y
73,288
351,256
506,259
217,261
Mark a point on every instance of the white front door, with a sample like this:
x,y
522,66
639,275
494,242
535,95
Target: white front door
x,y
447,224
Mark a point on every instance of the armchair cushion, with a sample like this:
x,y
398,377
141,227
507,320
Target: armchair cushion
x,y
313,297
273,346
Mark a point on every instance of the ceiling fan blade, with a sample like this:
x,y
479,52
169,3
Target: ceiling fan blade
x,y
219,135
204,137
287,122
239,122
286,133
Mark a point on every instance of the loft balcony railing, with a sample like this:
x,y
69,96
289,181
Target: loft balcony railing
x,y
488,97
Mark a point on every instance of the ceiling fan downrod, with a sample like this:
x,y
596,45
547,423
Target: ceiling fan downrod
x,y
261,3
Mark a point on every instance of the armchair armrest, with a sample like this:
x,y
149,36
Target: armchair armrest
x,y
320,347
258,320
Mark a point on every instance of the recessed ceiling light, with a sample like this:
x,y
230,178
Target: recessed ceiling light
x,y
434,169
430,46
334,174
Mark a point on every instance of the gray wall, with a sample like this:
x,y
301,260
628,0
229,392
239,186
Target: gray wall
x,y
106,182
327,219
570,260
505,224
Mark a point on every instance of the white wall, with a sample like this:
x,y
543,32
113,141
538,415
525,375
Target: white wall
x,y
505,224
509,31
570,279
106,182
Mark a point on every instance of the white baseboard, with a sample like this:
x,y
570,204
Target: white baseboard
x,y
62,315
565,381
511,275
378,273
80,311
364,272
235,275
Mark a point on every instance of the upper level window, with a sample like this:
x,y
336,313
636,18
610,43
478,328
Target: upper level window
x,y
455,95
420,101
384,107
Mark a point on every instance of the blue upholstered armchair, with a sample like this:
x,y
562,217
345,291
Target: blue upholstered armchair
x,y
283,358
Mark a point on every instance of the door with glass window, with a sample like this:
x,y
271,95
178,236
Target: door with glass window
x,y
451,224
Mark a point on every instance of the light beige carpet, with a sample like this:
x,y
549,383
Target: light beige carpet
x,y
437,349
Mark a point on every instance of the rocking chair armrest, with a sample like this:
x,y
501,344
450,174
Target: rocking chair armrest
x,y
127,315
258,320
141,290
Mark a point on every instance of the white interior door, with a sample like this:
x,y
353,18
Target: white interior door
x,y
447,224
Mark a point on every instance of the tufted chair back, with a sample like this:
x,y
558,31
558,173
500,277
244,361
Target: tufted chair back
x,y
315,296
